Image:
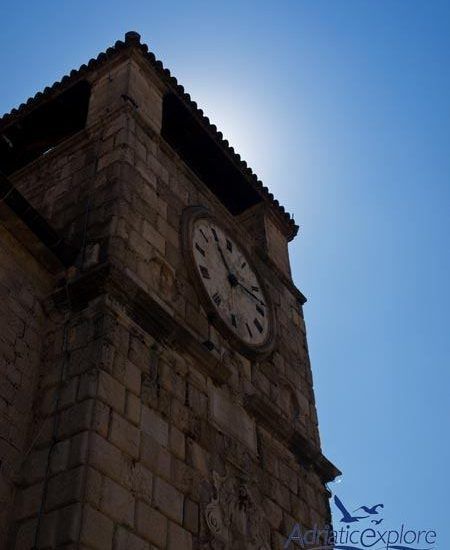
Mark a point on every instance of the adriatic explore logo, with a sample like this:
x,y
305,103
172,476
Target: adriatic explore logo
x,y
362,530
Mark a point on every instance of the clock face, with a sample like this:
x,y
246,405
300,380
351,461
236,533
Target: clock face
x,y
230,282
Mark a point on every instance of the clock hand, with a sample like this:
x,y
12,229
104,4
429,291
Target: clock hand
x,y
222,255
232,279
251,294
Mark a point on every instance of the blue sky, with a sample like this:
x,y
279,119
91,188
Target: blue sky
x,y
342,108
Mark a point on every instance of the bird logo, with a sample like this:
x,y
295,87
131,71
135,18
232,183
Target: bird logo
x,y
346,516
373,510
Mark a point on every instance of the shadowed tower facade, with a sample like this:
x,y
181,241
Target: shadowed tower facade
x,y
155,384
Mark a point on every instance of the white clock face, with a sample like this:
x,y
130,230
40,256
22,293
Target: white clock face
x,y
230,282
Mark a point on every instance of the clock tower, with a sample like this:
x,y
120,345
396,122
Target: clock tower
x,y
167,401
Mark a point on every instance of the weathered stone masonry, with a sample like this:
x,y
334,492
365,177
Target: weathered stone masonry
x,y
119,428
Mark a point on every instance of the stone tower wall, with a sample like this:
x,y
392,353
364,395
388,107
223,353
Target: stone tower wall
x,y
24,286
147,439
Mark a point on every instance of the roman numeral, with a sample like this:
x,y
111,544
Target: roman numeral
x,y
258,325
200,249
243,265
204,271
260,310
233,320
217,299
249,331
229,245
213,231
204,235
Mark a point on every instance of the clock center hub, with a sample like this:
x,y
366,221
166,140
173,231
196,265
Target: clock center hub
x,y
232,279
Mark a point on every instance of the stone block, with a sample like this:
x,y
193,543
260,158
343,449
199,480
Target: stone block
x,y
180,415
154,425
177,442
124,435
69,393
97,529
184,477
273,513
64,488
100,422
94,487
190,516
109,460
25,535
139,352
78,449
179,538
168,500
125,539
172,381
117,502
111,391
198,401
232,418
151,525
133,408
36,463
197,457
142,483
288,476
156,457
29,501
76,418
88,385
151,234
68,524
133,378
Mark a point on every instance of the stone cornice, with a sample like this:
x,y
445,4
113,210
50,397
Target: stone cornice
x,y
286,281
144,310
267,415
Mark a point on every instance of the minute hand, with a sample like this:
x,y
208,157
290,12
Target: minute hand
x,y
222,255
251,294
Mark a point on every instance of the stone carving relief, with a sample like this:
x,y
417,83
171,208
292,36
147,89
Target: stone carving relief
x,y
235,513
